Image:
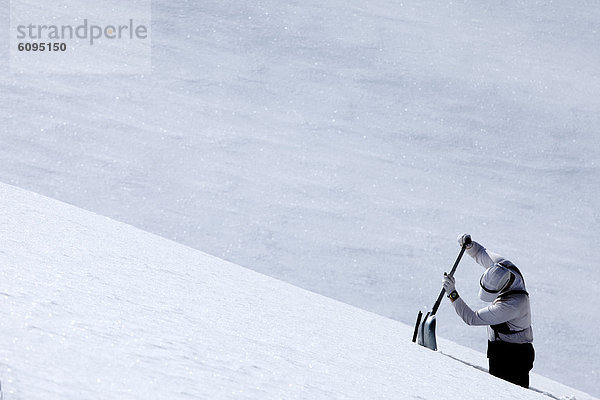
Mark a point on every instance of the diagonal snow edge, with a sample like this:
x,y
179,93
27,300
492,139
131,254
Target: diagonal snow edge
x,y
96,309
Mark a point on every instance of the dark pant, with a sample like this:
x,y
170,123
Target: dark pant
x,y
511,361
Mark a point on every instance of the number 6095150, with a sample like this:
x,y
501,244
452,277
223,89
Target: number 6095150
x,y
42,46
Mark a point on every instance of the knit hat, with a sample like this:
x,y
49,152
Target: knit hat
x,y
494,280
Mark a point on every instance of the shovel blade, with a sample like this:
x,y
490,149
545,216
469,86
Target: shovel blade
x,y
417,325
426,334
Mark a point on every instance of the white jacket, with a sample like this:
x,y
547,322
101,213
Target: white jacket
x,y
515,309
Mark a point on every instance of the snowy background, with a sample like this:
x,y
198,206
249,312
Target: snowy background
x,y
97,309
343,147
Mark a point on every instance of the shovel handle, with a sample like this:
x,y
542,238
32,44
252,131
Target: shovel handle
x,y
441,296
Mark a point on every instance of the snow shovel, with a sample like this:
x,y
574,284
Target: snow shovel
x,y
424,332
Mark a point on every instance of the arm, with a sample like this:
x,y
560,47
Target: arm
x,y
493,314
480,255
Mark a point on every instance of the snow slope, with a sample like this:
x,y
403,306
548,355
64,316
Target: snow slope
x,y
95,309
342,148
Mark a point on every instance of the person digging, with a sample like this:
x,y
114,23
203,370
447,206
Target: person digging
x,y
508,318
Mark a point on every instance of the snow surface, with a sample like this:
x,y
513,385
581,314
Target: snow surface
x,y
95,309
342,147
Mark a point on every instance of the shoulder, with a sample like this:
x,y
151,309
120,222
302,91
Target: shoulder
x,y
497,258
513,298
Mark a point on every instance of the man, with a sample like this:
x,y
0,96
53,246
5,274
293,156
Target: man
x,y
510,349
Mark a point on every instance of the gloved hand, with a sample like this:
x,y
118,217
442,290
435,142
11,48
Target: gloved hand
x,y
465,239
449,283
